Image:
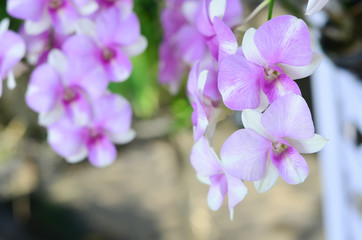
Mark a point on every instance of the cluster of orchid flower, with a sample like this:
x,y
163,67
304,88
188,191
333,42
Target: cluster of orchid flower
x,y
77,47
256,78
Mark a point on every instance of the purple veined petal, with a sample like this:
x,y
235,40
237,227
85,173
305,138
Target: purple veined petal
x,y
172,20
171,68
121,138
239,83
250,50
252,120
310,145
107,25
297,72
64,18
192,81
291,165
44,89
279,87
270,178
102,152
212,44
200,119
136,48
191,44
315,6
190,10
217,9
284,39
236,190
128,31
233,12
50,117
119,68
217,191
288,116
203,23
26,9
112,113
210,89
94,82
66,139
204,159
216,115
12,50
78,110
227,41
38,27
244,155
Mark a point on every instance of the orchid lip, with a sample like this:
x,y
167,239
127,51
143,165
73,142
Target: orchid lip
x,y
107,54
271,74
69,95
55,4
279,147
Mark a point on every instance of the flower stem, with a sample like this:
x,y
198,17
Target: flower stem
x,y
256,11
270,9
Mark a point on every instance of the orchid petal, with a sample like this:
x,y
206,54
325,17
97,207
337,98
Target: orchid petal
x,y
244,155
270,178
191,44
44,89
121,138
236,190
288,116
4,25
79,111
35,28
310,145
26,9
102,152
252,120
284,39
315,6
298,72
204,159
227,42
78,156
119,68
86,27
291,165
50,117
239,83
217,9
250,50
136,48
217,191
58,60
279,87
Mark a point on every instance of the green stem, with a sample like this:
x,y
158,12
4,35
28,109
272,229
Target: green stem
x,y
270,9
256,11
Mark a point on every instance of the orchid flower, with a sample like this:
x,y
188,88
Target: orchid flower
x,y
111,123
40,15
271,143
205,100
12,50
108,43
315,6
208,165
63,88
271,58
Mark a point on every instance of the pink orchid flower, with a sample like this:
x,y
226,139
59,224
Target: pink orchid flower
x,y
64,88
111,123
12,50
271,58
209,167
109,43
40,15
315,6
205,99
271,143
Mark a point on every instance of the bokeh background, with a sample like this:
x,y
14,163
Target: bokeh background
x,y
151,191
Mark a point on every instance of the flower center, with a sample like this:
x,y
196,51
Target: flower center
x,y
279,147
55,4
107,54
69,94
271,74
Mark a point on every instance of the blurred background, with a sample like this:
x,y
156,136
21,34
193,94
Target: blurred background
x,y
151,191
